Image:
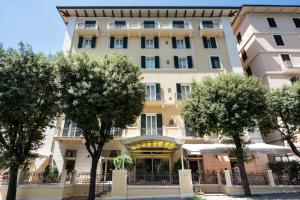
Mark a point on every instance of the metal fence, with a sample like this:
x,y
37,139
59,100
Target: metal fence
x,y
253,178
84,177
286,179
205,178
38,178
153,179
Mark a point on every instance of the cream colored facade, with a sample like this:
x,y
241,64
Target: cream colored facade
x,y
274,64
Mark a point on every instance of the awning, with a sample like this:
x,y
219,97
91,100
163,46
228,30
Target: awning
x,y
200,149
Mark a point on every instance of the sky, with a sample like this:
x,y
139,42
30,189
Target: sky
x,y
38,23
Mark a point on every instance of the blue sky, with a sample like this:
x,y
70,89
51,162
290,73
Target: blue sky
x,y
38,23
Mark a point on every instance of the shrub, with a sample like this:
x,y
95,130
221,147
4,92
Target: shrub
x,y
128,162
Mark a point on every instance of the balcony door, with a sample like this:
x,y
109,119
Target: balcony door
x,y
151,92
151,125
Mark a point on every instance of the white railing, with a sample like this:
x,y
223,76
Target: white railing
x,y
157,25
215,25
83,25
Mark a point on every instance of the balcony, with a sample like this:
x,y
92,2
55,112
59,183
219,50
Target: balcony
x,y
154,131
211,28
137,29
87,28
69,134
154,99
290,68
116,132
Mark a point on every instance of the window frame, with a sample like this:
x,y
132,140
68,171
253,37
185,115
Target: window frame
x,y
147,45
220,60
239,38
147,59
116,20
294,22
182,45
119,46
291,60
185,85
180,62
153,95
84,44
209,46
274,21
281,39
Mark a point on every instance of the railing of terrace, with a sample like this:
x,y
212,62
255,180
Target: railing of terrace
x,y
84,177
253,179
144,178
286,179
38,178
205,178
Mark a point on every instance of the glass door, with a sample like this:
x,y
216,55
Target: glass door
x,y
151,125
150,92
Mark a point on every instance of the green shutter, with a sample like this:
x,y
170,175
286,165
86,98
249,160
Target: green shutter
x,y
213,42
178,91
174,43
190,62
158,94
156,42
94,39
112,42
80,41
143,124
142,42
205,44
176,61
157,62
143,62
159,124
125,42
187,42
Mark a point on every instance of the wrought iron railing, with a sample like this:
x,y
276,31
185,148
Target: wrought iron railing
x,y
38,178
4,178
84,177
144,178
153,97
286,179
205,178
154,131
253,178
83,25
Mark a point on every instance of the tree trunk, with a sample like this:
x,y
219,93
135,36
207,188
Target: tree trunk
x,y
12,185
293,147
93,173
239,153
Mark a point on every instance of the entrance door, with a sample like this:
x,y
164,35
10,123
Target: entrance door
x,y
107,168
70,165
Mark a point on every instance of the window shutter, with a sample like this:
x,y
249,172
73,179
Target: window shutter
x,y
112,42
176,61
156,42
157,88
205,44
80,41
213,42
187,42
159,124
143,62
174,43
143,124
157,62
125,42
94,39
190,62
178,91
142,42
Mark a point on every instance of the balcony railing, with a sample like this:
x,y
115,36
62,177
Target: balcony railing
x,y
157,25
71,132
83,25
153,97
116,131
148,131
214,25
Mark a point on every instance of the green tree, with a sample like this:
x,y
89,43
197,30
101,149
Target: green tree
x,y
99,94
283,114
28,104
227,105
128,162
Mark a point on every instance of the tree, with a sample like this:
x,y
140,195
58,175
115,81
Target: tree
x,y
227,105
128,162
28,104
99,94
283,114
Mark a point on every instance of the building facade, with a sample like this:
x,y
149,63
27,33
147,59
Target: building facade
x,y
173,46
268,41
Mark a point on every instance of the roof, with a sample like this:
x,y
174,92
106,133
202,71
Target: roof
x,y
147,11
264,9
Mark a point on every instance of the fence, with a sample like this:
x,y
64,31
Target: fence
x,y
4,178
84,177
38,178
205,178
253,178
153,179
286,179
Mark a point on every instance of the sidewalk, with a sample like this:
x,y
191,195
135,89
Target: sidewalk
x,y
282,196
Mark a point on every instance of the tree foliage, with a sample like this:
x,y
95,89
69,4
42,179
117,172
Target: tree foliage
x,y
227,105
283,114
99,94
28,103
128,162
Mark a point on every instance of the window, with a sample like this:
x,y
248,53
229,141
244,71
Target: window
x,y
244,56
207,24
249,71
294,79
272,22
70,129
87,42
182,91
150,92
150,63
149,24
182,63
239,38
286,60
180,43
209,42
151,124
120,24
178,24
278,40
215,62
90,24
118,43
296,22
149,43
70,153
